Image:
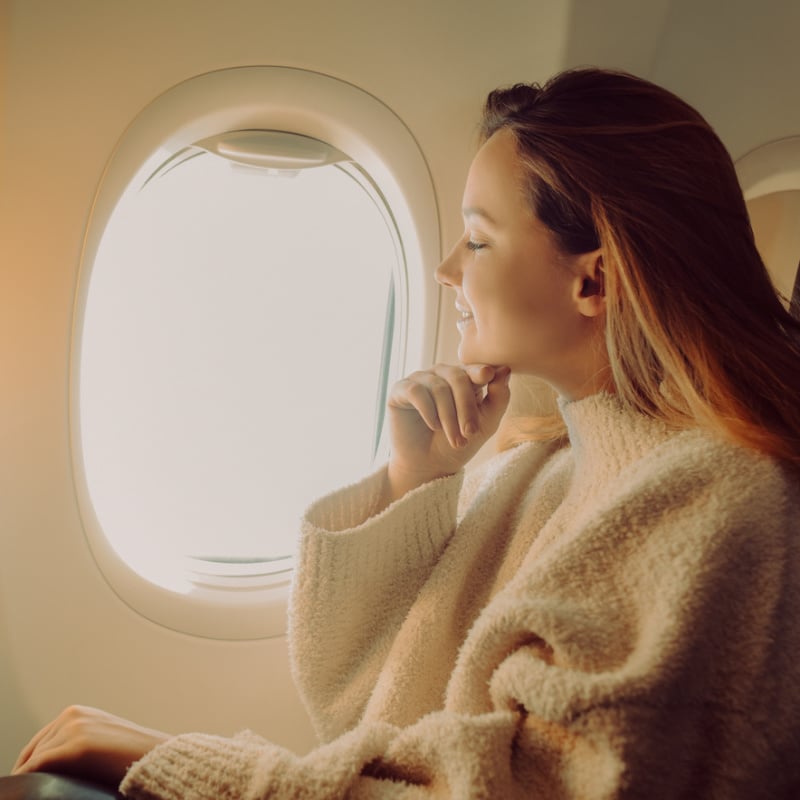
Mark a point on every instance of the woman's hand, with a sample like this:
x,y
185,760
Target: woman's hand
x,y
438,420
88,743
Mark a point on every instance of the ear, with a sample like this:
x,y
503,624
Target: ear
x,y
590,284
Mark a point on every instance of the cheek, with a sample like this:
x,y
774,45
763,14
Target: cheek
x,y
540,312
528,301
516,293
490,287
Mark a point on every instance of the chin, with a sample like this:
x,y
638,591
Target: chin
x,y
467,355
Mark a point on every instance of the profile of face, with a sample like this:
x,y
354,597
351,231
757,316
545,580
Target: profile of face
x,y
523,303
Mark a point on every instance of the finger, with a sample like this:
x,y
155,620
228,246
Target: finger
x,y
51,735
480,374
29,748
412,394
39,757
33,764
441,392
431,394
58,755
466,394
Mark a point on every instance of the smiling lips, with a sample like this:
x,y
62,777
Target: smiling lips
x,y
465,317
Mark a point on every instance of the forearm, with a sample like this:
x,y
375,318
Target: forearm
x,y
353,589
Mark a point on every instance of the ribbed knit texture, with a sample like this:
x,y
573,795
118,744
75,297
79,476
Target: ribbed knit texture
x,y
616,618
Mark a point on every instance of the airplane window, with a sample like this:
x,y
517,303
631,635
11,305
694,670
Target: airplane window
x,y
256,269
235,352
770,178
774,218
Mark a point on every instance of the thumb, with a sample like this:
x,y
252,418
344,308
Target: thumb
x,y
494,405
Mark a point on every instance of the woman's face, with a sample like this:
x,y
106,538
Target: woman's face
x,y
521,300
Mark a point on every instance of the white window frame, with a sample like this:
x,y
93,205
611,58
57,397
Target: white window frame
x,y
769,168
270,98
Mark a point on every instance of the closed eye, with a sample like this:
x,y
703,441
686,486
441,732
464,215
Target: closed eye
x,y
474,245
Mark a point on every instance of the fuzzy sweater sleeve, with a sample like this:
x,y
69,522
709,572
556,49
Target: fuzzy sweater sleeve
x,y
368,569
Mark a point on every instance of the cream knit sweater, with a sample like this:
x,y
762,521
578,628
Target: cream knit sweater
x,y
616,618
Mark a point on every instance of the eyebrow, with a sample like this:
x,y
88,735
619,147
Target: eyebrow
x,y
474,211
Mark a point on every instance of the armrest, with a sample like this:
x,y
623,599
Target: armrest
x,y
43,786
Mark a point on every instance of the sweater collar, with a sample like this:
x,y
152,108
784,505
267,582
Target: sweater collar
x,y
604,433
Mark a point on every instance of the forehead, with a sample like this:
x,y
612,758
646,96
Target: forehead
x,y
495,179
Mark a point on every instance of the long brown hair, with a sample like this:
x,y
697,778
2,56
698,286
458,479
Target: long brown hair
x,y
696,334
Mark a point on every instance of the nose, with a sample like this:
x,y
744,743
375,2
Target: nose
x,y
448,273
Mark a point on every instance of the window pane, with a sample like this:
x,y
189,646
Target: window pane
x,y
231,358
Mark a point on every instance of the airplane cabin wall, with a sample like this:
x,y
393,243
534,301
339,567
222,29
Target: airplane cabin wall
x,y
72,77
739,64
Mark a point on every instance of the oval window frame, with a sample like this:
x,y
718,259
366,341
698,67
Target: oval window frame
x,y
769,169
276,98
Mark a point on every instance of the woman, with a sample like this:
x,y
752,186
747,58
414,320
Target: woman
x,y
609,608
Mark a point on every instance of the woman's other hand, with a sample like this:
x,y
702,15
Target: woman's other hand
x,y
87,743
439,418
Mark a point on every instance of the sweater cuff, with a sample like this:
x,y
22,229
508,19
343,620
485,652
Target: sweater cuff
x,y
340,534
199,766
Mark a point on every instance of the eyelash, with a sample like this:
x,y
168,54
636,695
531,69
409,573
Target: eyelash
x,y
475,245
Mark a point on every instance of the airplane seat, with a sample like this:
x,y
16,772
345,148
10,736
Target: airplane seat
x,y
44,786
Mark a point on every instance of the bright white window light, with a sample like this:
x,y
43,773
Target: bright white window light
x,y
233,357
195,439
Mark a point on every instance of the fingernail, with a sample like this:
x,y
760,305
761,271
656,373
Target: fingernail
x,y
470,429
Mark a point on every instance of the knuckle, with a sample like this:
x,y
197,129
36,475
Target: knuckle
x,y
419,375
449,370
416,390
74,729
439,385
